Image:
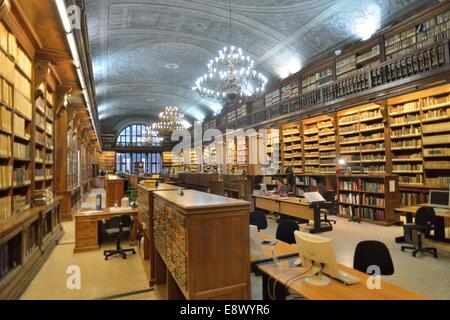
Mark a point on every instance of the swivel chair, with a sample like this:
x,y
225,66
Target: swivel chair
x,y
331,206
425,222
118,225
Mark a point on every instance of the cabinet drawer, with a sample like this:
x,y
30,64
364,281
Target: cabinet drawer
x,y
86,230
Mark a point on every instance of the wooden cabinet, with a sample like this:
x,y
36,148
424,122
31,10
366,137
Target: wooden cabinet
x,y
115,190
145,219
202,246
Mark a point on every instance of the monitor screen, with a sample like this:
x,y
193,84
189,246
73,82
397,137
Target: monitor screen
x,y
439,198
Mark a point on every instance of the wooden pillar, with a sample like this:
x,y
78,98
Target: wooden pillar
x,y
62,121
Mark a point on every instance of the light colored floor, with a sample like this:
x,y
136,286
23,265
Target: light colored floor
x,y
99,278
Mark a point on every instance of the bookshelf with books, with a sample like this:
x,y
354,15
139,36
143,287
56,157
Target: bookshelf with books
x,y
292,148
362,139
290,90
311,146
327,144
321,77
310,182
362,59
22,166
370,198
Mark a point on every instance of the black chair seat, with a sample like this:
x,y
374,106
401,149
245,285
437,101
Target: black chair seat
x,y
286,229
373,253
118,225
258,218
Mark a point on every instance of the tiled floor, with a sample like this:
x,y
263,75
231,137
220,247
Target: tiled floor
x,y
99,278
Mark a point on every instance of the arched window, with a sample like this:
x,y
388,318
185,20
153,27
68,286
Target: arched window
x,y
133,135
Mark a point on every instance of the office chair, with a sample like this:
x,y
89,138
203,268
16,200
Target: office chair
x,y
331,206
286,229
258,218
369,253
119,224
425,222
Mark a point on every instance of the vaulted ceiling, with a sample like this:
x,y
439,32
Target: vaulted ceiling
x,y
132,41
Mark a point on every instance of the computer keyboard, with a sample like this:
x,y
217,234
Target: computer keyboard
x,y
347,278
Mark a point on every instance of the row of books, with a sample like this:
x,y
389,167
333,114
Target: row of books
x,y
8,67
24,63
407,167
19,126
21,176
6,92
375,169
374,201
407,143
404,131
437,152
437,113
416,179
5,176
5,209
413,198
22,84
5,119
21,151
20,203
5,145
405,119
437,139
438,181
23,105
407,107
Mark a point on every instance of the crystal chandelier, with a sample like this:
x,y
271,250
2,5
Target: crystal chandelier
x,y
231,75
170,120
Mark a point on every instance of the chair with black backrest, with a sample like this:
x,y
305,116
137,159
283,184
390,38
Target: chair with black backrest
x,y
118,225
331,207
373,253
425,222
258,218
286,229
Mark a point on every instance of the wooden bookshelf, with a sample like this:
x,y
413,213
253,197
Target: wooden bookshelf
x,y
327,144
310,182
30,224
321,77
292,148
311,145
370,198
361,133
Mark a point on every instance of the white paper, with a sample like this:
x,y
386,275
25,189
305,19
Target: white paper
x,y
312,197
391,185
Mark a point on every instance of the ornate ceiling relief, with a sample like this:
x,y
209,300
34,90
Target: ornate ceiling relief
x,y
131,41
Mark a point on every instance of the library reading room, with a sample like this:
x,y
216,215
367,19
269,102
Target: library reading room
x,y
225,150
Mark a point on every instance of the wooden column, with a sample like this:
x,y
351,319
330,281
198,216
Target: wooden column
x,y
62,121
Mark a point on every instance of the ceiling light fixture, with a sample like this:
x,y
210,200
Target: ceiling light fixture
x,y
60,4
231,75
170,119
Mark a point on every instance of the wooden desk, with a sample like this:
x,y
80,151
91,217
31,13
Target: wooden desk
x,y
443,220
294,207
335,291
86,227
281,249
202,246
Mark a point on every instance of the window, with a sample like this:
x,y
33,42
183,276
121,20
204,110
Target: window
x,y
134,135
152,162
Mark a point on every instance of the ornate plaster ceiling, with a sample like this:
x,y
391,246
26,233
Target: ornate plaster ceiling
x,y
131,41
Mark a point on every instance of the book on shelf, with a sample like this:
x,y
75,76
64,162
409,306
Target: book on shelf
x,y
5,208
21,151
6,91
5,176
5,145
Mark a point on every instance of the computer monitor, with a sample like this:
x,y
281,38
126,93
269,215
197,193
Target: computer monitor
x,y
439,198
317,254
